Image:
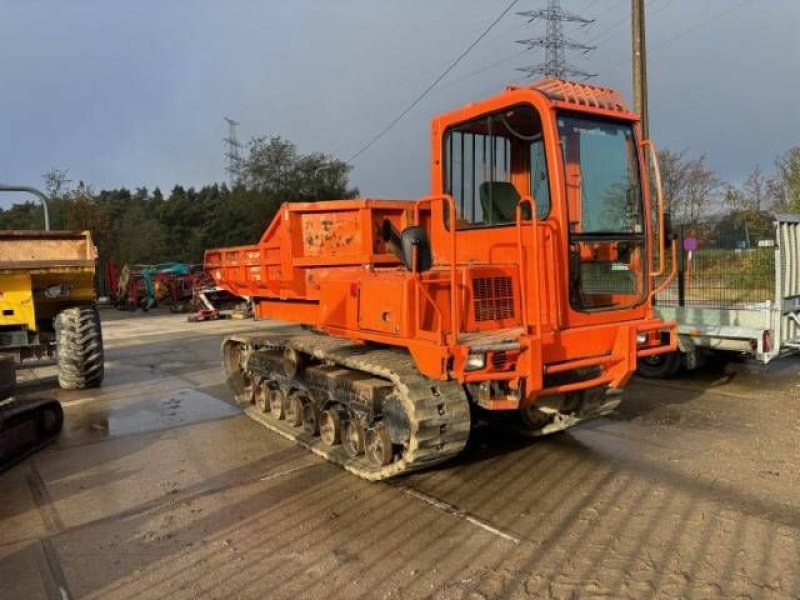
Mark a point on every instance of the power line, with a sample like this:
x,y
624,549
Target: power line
x,y
718,15
616,25
624,21
695,27
436,81
472,74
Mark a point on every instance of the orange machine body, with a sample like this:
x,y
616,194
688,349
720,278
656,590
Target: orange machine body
x,y
496,310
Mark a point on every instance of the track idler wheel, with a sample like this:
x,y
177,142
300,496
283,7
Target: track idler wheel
x,y
378,446
330,427
294,410
353,438
278,404
310,418
238,380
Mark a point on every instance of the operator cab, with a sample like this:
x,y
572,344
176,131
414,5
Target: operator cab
x,y
580,168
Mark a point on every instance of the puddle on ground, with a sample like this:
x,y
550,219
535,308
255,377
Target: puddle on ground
x,y
149,413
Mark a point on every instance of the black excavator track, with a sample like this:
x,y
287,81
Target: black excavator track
x,y
26,425
428,420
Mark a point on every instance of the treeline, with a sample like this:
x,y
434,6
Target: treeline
x,y
729,214
144,226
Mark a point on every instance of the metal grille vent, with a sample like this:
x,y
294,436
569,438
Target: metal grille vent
x,y
499,360
494,298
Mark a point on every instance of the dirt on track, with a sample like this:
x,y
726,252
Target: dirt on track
x,y
160,487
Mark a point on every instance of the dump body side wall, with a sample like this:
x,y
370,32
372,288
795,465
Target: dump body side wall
x,y
302,242
43,272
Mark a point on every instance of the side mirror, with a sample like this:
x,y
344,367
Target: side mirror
x,y
416,237
403,246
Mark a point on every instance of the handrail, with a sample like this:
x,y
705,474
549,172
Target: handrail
x,y
523,287
523,275
668,279
660,197
555,261
523,279
454,310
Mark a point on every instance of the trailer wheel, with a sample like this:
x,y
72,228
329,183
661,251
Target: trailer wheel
x,y
660,366
79,348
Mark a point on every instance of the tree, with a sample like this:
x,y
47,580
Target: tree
x,y
734,198
756,190
787,185
701,184
689,186
673,176
139,226
274,166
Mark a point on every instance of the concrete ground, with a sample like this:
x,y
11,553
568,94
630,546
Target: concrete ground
x,y
158,487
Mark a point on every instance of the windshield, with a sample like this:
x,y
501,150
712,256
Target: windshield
x,y
603,191
606,223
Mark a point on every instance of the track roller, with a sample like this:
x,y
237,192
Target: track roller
x,y
330,426
263,396
293,362
294,410
278,403
310,418
378,446
353,438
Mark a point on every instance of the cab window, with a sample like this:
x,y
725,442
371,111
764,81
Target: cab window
x,y
491,162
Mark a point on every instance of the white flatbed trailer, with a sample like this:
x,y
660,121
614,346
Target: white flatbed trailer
x,y
762,330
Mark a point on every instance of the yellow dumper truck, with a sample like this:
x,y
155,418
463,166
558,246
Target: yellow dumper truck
x,y
47,309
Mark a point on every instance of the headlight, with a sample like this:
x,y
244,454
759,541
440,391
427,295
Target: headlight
x,y
475,362
641,339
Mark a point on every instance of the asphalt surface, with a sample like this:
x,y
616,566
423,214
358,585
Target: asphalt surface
x,y
159,487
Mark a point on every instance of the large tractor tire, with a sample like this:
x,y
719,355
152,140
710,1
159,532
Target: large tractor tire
x,y
79,348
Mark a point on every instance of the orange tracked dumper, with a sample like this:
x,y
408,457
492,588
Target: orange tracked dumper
x,y
523,284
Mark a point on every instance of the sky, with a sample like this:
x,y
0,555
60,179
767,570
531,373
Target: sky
x,y
134,93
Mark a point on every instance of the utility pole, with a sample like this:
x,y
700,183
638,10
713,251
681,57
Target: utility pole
x,y
640,65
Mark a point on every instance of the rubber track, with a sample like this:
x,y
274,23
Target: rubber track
x,y
438,411
13,414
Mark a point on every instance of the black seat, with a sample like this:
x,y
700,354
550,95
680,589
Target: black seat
x,y
499,201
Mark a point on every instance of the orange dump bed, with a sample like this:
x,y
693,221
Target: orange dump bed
x,y
336,233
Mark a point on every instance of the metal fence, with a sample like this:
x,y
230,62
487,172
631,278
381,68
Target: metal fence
x,y
721,278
